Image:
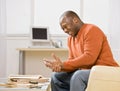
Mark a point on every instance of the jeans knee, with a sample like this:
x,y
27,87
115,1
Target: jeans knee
x,y
80,75
76,76
57,77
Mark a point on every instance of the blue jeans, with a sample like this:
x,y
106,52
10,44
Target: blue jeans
x,y
70,81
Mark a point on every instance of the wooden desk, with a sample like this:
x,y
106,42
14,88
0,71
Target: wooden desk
x,y
28,57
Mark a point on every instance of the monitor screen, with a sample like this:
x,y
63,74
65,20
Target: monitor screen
x,y
39,34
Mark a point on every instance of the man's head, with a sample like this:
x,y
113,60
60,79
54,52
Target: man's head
x,y
70,23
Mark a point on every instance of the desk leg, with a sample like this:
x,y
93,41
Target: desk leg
x,y
21,63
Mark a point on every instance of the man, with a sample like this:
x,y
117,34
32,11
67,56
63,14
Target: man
x,y
87,45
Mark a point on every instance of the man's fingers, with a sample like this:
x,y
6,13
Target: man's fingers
x,y
55,65
55,57
47,63
45,60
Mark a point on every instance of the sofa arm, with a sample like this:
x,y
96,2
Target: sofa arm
x,y
104,78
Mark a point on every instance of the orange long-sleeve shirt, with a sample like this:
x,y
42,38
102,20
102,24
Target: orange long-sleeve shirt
x,y
90,47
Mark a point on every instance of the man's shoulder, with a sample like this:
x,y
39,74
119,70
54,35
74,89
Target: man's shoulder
x,y
88,25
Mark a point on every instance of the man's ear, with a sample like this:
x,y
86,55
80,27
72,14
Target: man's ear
x,y
75,20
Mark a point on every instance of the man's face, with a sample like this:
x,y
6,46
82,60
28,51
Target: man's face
x,y
68,27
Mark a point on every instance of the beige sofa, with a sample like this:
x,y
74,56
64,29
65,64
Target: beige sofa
x,y
104,78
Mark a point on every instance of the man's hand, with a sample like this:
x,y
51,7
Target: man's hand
x,y
55,65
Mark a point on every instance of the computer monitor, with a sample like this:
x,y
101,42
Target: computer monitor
x,y
39,34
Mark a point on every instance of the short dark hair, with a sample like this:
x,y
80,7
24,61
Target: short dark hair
x,y
70,14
